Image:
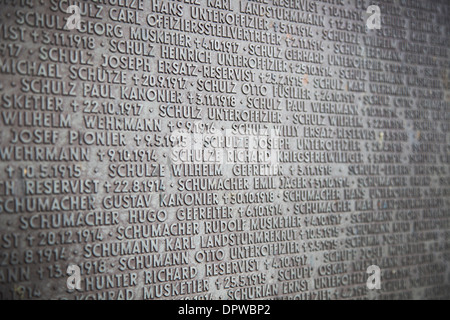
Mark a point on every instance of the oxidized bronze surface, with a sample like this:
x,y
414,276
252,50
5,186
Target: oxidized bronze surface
x,y
222,149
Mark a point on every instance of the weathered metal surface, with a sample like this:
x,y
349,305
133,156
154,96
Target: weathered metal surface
x,y
205,149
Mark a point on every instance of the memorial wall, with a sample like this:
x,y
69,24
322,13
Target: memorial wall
x,y
224,149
